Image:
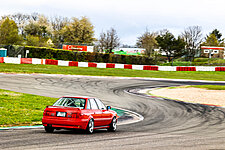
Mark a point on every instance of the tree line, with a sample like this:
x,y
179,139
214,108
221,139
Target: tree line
x,y
186,44
38,30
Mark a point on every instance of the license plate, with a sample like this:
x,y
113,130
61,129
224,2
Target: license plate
x,y
61,114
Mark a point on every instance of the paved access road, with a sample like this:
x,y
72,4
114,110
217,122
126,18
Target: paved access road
x,y
167,124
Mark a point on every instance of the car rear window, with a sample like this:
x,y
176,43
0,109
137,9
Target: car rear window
x,y
70,102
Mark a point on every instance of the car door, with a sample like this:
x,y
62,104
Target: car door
x,y
96,112
106,115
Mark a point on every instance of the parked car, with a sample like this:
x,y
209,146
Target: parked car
x,y
75,112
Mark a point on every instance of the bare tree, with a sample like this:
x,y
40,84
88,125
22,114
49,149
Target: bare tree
x,y
57,24
109,40
147,41
193,38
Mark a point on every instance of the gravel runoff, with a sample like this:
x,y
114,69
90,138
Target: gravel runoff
x,y
192,95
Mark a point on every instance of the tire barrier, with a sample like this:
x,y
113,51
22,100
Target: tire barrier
x,y
51,62
1,59
26,61
73,63
156,68
127,66
110,65
220,69
92,65
186,69
14,60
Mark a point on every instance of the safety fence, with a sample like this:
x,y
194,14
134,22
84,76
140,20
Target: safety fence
x,y
14,60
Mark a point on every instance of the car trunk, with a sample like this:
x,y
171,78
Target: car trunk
x,y
62,112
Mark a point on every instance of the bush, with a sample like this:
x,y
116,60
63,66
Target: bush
x,y
59,54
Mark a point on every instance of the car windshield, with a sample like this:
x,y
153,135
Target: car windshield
x,y
70,102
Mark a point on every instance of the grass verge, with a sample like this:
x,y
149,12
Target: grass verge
x,y
52,69
207,87
18,109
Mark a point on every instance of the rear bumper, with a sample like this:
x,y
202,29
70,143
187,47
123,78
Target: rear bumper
x,y
58,122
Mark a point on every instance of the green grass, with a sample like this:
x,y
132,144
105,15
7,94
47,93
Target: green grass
x,y
197,62
52,69
22,109
209,87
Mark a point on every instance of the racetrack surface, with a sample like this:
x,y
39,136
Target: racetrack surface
x,y
167,124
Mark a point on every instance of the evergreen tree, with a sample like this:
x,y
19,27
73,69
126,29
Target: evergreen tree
x,y
9,32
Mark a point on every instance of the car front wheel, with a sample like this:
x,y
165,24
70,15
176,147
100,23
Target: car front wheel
x,y
90,127
112,126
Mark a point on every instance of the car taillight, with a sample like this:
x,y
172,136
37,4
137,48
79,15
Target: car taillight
x,y
71,115
48,113
78,115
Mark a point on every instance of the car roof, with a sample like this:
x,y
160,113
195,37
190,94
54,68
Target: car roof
x,y
71,96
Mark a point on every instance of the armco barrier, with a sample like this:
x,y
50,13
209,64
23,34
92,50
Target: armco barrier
x,y
1,59
137,67
51,62
101,65
186,69
110,65
167,68
82,64
14,60
156,68
120,66
37,61
26,60
92,65
73,63
63,63
220,69
127,66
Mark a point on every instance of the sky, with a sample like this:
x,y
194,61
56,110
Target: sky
x,y
130,18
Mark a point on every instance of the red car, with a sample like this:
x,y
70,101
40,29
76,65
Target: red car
x,y
76,112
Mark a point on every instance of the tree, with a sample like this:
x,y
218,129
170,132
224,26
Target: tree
x,y
21,20
58,23
32,40
79,31
214,39
218,35
40,28
9,32
193,38
170,45
147,41
109,40
211,40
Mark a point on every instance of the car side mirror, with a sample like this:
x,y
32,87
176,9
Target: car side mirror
x,y
108,107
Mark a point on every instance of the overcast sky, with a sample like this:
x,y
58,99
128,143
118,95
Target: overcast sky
x,y
130,17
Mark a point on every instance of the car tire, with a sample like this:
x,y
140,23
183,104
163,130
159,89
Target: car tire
x,y
49,129
90,126
112,126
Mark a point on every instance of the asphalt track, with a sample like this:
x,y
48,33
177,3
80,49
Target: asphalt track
x,y
167,124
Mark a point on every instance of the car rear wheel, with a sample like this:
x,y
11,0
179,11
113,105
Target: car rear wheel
x,y
90,126
112,126
49,129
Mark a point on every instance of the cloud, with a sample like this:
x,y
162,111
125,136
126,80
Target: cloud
x,y
130,17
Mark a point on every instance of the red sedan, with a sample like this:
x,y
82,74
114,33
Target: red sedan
x,y
76,112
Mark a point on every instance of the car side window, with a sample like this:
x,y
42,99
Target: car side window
x,y
88,104
93,104
100,104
